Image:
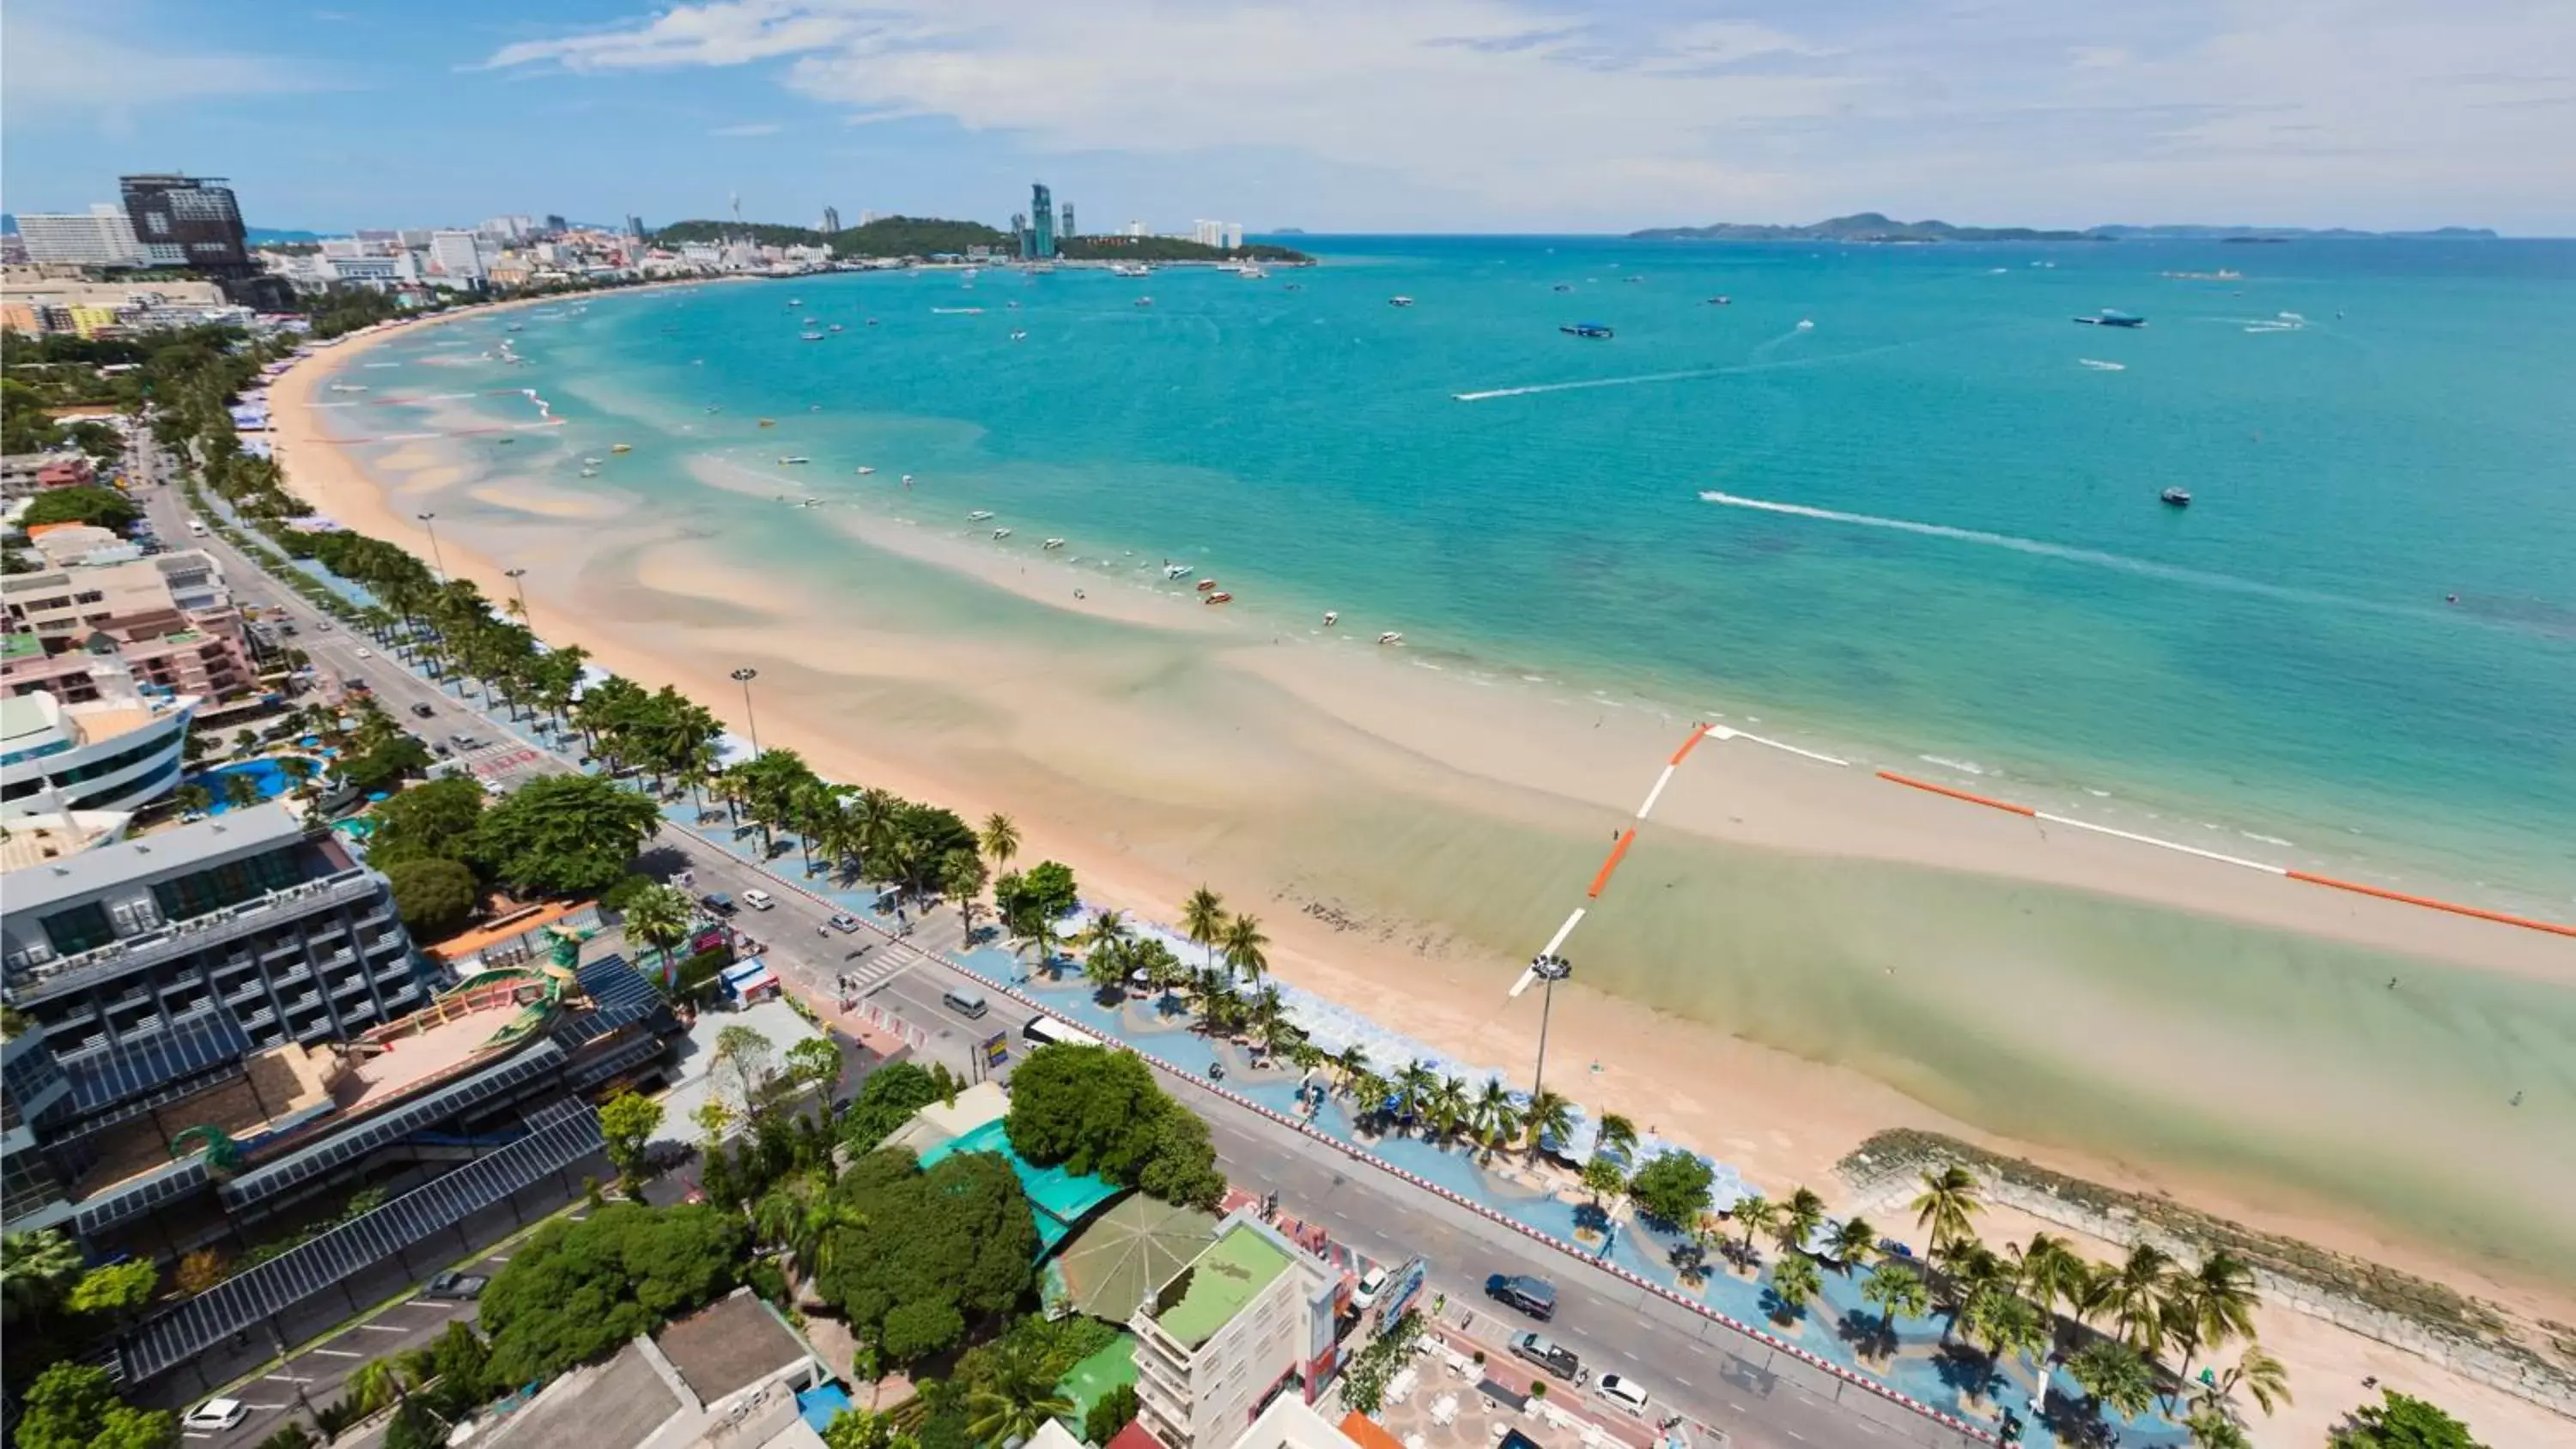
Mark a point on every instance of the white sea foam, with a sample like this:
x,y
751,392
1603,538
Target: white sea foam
x,y
2098,365
1969,767
2268,839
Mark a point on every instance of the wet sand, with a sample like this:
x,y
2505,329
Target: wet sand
x,y
1792,957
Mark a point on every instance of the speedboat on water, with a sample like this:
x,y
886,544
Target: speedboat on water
x,y
2175,497
810,336
979,515
792,459
835,327
1587,329
1806,326
1000,533
621,447
1054,543
1399,301
1019,337
1564,287
1390,637
1144,301
1721,301
865,470
590,472
2108,317
1176,571
1331,618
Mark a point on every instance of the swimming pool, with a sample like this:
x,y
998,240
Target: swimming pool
x,y
268,775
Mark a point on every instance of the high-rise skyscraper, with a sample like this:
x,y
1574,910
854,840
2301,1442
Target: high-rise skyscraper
x,y
188,221
831,220
634,225
1041,222
1020,234
556,224
1064,224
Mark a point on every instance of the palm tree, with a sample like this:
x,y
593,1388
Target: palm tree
x,y
2006,1323
2051,1273
1546,1115
2213,1430
1017,1397
1948,1200
377,1382
1414,1084
1794,1280
2134,1295
1203,919
1618,1135
2258,1373
2210,1307
240,792
1109,928
297,769
1897,1290
1446,1109
2114,1377
1851,1243
1105,966
1799,1219
1243,945
1492,1119
1370,1094
192,799
961,879
805,1217
660,916
1755,1214
1000,840
1972,1271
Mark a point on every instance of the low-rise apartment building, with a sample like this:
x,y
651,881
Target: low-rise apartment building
x,y
1250,1319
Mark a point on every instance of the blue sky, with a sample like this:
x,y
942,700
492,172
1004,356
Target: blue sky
x,y
1345,115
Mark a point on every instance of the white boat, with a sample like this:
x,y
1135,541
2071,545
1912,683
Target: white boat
x,y
793,458
1331,618
907,480
835,327
1176,571
1000,533
956,311
1055,543
592,462
810,336
1129,269
1399,301
795,301
1390,637
1806,326
1019,337
979,515
865,470
1144,301
1252,274
590,472
810,321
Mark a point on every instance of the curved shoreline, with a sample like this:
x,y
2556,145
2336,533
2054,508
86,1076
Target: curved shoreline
x,y
1793,806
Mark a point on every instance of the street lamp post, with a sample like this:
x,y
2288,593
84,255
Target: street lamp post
x,y
1550,970
517,578
745,676
428,521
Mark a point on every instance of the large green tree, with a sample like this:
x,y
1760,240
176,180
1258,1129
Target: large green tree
x,y
933,1252
1674,1188
2401,1421
435,896
438,819
887,1100
104,507
565,834
72,1406
1098,1111
580,1289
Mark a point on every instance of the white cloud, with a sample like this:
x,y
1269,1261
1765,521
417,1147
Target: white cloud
x,y
58,66
748,128
2013,110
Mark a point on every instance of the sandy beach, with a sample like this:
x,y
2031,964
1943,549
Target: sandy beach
x,y
1154,744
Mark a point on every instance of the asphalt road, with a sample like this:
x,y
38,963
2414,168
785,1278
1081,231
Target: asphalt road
x,y
1612,1324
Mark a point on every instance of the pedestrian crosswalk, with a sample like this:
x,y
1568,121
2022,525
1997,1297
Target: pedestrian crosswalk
x,y
888,963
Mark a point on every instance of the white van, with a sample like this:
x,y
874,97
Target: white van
x,y
197,527
966,1001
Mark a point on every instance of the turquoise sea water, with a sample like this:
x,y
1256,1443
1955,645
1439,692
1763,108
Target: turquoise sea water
x,y
1948,549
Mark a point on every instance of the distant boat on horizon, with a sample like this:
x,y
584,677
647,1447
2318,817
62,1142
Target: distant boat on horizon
x,y
1587,329
2112,317
2175,498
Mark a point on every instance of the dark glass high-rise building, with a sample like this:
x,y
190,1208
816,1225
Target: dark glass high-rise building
x,y
1064,223
831,220
188,221
1041,222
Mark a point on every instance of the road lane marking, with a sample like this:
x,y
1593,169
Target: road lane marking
x,y
287,1378
338,1353
386,1327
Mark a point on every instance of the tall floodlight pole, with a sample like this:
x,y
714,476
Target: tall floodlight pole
x,y
1551,970
745,676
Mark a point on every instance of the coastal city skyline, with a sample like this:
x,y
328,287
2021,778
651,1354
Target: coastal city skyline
x,y
1475,117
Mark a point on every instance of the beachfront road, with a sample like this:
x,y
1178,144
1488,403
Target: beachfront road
x,y
1614,1326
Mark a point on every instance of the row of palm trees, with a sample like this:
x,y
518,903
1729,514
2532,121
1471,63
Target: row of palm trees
x,y
2034,1298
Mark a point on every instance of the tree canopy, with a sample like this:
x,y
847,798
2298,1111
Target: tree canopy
x,y
579,1289
1097,1111
936,1251
566,834
104,507
2402,1421
434,896
887,1100
71,1406
437,820
1674,1188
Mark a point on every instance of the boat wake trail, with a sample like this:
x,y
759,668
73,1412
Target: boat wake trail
x,y
2146,568
1535,389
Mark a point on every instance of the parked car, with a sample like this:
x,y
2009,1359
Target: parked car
x,y
425,711
366,654
463,1287
1623,1393
843,922
717,903
215,1415
463,740
1533,1296
1548,1354
759,900
1371,1284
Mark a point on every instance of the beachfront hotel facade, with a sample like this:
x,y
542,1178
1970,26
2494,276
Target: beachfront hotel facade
x,y
1248,1321
118,752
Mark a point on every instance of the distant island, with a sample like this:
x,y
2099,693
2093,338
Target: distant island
x,y
930,236
1871,226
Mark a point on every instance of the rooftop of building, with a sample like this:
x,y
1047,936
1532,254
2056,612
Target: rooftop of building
x,y
610,1405
449,1035
943,1122
191,846
729,1345
1205,1296
276,1089
33,840
23,717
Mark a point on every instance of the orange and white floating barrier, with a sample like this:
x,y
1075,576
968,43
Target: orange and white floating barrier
x,y
2430,903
